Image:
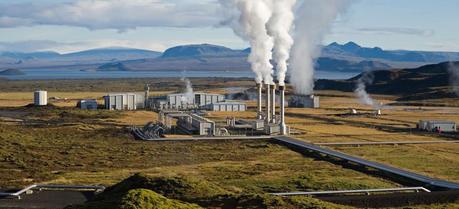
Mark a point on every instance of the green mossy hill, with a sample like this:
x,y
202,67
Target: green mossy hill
x,y
147,199
143,192
183,188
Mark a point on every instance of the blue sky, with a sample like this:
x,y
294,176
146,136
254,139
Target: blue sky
x,y
66,25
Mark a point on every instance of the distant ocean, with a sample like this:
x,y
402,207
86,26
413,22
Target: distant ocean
x,y
57,74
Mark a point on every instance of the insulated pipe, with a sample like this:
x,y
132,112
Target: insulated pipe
x,y
283,127
260,94
268,103
273,103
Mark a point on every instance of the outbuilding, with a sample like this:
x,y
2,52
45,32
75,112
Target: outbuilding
x,y
437,126
87,104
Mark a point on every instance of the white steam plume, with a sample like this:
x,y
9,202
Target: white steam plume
x,y
453,69
252,17
360,90
188,97
279,27
312,23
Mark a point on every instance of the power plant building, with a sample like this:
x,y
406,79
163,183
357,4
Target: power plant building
x,y
227,107
40,98
124,101
87,104
304,101
184,101
437,126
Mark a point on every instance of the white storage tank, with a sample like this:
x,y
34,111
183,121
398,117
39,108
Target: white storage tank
x,y
40,98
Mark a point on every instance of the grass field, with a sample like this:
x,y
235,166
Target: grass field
x,y
64,145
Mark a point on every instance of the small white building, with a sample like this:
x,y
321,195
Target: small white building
x,y
230,106
87,104
40,98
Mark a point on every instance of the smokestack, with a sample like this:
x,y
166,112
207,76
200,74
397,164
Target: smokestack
x,y
283,127
147,94
268,103
273,103
259,110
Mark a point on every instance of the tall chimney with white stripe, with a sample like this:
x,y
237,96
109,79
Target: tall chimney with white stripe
x,y
283,127
259,101
273,103
268,104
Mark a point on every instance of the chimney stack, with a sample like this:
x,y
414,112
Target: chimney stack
x,y
283,127
268,104
259,110
273,103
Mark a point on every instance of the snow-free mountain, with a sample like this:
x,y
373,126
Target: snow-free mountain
x,y
349,57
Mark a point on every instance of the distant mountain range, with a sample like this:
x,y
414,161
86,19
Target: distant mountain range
x,y
426,82
349,57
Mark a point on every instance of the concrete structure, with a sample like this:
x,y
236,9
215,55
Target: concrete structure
x,y
87,104
121,101
195,124
203,99
437,126
183,101
304,101
40,98
228,106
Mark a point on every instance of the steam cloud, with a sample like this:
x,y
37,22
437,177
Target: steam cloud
x,y
453,69
312,23
360,91
279,26
252,17
188,98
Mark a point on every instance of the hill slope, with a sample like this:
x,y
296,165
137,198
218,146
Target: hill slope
x,y
426,82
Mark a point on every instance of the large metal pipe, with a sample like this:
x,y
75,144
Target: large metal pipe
x,y
268,104
283,127
273,103
260,94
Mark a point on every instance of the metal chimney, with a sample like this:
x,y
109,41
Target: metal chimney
x,y
273,103
260,94
283,127
268,103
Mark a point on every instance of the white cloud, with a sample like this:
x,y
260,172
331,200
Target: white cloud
x,y
398,30
111,14
67,47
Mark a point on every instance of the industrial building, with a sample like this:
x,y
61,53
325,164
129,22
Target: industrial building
x,y
437,126
124,101
87,104
184,101
228,106
40,98
304,101
188,122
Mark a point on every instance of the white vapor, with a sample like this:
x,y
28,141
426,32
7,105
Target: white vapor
x,y
453,69
252,17
188,97
279,27
312,23
360,90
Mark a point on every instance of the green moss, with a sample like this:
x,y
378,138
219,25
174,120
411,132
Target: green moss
x,y
147,199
